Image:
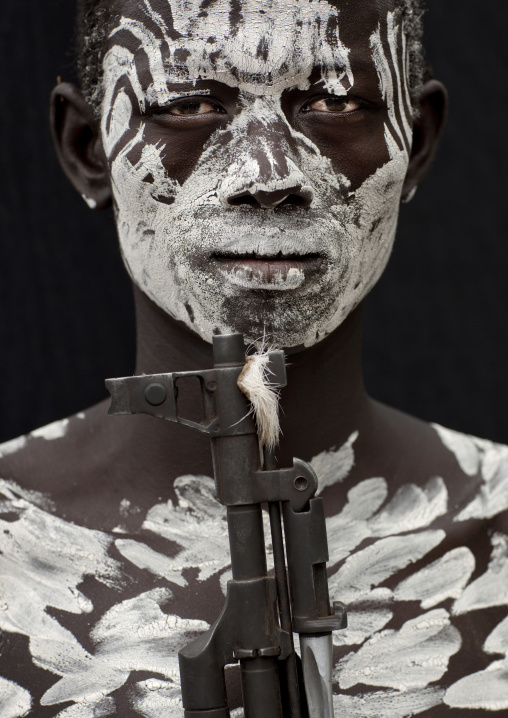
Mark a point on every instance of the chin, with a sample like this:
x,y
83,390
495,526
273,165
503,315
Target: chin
x,y
285,322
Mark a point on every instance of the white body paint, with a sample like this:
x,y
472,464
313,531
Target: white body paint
x,y
162,242
55,430
333,466
390,671
409,658
10,447
15,702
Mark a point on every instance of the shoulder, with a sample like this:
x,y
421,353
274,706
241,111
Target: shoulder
x,y
487,460
91,619
423,568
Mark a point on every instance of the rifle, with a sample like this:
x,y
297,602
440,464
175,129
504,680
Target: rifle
x,y
256,625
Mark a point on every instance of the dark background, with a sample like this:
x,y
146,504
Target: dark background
x,y
436,333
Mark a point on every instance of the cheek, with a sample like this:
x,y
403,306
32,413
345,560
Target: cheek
x,y
355,147
182,148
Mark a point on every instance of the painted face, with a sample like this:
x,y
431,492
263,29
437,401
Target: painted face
x,y
258,150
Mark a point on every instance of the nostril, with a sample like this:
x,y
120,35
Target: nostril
x,y
243,199
293,199
296,196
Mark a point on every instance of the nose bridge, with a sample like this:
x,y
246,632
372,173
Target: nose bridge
x,y
270,146
264,170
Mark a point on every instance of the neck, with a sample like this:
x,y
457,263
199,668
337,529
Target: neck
x,y
323,403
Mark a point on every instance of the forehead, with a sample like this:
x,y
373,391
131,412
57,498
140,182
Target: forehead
x,y
245,42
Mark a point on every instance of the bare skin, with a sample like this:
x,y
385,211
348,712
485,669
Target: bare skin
x,y
104,460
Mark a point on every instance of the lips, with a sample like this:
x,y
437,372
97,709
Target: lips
x,y
277,271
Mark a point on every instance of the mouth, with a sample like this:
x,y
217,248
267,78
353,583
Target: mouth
x,y
267,271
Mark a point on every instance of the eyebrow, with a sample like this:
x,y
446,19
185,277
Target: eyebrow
x,y
189,86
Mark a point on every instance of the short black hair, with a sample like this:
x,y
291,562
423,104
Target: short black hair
x,y
96,18
94,23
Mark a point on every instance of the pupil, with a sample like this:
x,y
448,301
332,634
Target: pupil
x,y
189,107
335,104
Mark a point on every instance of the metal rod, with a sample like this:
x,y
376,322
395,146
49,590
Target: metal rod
x,y
282,591
246,541
260,676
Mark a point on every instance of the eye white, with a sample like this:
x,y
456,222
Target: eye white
x,y
338,105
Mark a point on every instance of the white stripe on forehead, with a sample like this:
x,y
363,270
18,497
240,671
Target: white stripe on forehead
x,y
282,40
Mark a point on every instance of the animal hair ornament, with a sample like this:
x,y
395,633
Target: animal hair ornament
x,y
254,382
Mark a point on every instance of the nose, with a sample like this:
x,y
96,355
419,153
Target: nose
x,y
270,198
264,176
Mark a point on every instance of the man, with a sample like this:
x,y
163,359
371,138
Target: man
x,y
256,155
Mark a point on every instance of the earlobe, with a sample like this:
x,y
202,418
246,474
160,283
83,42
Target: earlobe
x,y
427,130
78,145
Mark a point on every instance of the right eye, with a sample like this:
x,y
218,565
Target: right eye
x,y
193,107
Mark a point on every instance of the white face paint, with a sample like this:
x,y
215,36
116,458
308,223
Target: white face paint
x,y
175,236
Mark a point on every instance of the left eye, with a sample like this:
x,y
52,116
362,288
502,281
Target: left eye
x,y
193,107
339,105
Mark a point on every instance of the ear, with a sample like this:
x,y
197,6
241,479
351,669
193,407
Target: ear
x,y
427,130
77,139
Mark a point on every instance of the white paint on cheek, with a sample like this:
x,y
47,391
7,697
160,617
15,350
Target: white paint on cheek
x,y
462,446
119,119
373,565
387,704
491,588
486,690
442,579
410,658
333,466
15,701
55,430
391,144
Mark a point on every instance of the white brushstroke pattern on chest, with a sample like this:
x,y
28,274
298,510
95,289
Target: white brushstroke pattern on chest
x,y
44,560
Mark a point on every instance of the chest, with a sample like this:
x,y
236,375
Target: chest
x,y
92,622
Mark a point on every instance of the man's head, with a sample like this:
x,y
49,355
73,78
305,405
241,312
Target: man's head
x,y
258,152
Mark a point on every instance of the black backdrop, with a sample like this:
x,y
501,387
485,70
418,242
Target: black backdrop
x,y
436,335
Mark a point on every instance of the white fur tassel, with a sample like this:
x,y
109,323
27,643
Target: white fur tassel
x,y
255,384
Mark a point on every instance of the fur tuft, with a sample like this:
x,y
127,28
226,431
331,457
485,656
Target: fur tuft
x,y
255,384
